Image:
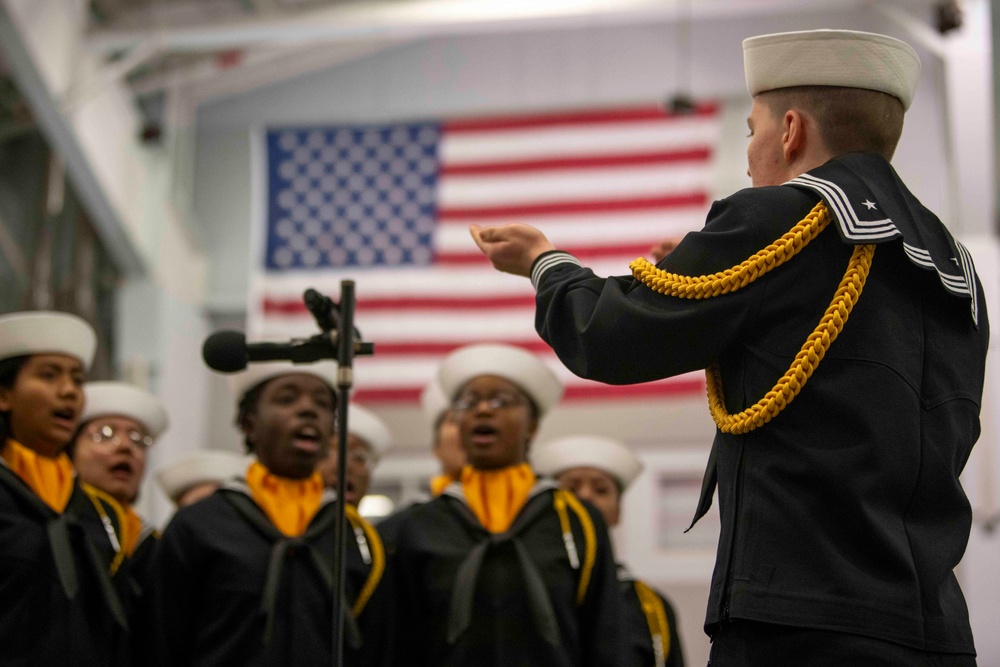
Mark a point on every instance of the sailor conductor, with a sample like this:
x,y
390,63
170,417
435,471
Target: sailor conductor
x,y
844,334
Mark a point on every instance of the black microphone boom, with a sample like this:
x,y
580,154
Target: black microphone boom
x,y
228,351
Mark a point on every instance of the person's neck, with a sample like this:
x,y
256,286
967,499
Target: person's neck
x,y
290,475
44,449
497,468
809,161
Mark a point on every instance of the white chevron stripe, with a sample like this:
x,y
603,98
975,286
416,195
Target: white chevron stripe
x,y
853,227
856,229
969,269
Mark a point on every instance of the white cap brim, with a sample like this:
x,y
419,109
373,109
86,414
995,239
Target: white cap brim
x,y
610,456
844,58
118,399
256,373
510,363
199,467
368,426
434,403
47,332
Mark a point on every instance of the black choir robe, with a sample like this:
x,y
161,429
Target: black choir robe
x,y
210,588
436,539
640,651
59,603
845,512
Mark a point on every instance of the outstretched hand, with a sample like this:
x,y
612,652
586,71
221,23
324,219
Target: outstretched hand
x,y
511,248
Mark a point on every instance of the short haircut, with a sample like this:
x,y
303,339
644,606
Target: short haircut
x,y
850,120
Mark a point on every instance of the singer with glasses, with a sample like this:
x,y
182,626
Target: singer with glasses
x,y
504,568
244,576
119,423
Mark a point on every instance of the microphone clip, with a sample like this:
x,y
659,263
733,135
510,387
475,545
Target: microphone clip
x,y
327,314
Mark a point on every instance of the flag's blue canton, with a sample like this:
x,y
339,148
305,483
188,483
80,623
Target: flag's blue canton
x,y
351,196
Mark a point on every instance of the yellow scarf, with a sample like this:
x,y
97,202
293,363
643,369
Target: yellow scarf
x,y
496,496
129,523
131,529
440,483
50,479
290,504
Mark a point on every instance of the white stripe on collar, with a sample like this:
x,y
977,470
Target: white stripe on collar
x,y
855,229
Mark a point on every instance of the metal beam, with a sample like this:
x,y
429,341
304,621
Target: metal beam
x,y
381,19
61,137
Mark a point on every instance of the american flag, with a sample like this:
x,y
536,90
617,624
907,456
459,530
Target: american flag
x,y
389,207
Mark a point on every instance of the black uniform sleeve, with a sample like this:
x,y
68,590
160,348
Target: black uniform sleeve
x,y
619,331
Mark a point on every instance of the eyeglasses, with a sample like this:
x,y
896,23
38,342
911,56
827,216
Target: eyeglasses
x,y
360,456
495,402
109,434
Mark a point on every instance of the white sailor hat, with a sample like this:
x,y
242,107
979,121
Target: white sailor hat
x,y
256,373
204,465
844,58
434,403
108,399
47,332
368,426
584,451
510,363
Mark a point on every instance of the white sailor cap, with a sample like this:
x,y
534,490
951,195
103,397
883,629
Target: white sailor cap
x,y
844,58
584,451
256,373
510,363
47,332
109,399
434,402
198,467
368,426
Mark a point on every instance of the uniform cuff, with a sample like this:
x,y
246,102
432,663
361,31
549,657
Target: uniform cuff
x,y
546,261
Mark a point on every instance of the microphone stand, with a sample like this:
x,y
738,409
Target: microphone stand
x,y
330,317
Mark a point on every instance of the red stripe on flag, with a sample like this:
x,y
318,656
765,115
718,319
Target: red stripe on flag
x,y
580,162
595,392
576,118
564,208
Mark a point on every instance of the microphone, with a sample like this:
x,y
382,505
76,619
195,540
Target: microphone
x,y
228,351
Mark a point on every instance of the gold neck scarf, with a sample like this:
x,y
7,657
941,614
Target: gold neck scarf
x,y
50,478
440,483
290,504
496,496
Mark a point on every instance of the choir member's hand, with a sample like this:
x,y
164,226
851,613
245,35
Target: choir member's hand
x,y
664,248
511,248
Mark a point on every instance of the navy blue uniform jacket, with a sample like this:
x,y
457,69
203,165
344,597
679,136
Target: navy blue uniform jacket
x,y
845,512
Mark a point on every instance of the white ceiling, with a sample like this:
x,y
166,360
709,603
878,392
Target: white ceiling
x,y
212,43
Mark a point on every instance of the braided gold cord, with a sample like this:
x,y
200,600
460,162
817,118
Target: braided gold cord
x,y
805,362
741,275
